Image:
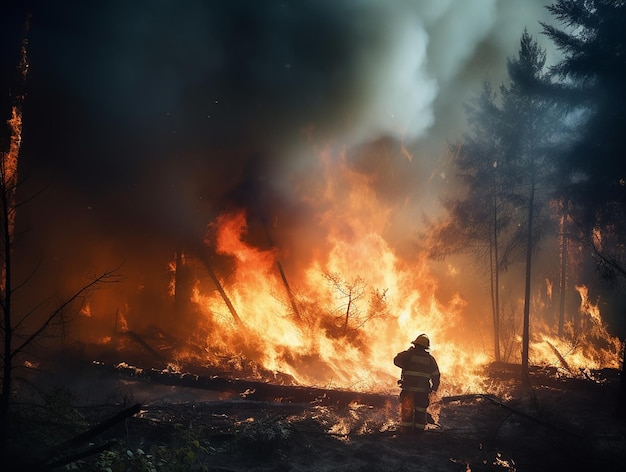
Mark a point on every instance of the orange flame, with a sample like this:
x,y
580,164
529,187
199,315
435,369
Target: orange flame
x,y
359,304
356,302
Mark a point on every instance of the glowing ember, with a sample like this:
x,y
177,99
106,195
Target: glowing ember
x,y
85,310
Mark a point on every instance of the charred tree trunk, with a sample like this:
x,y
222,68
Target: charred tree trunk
x,y
495,272
620,409
74,449
255,390
516,411
179,283
283,277
529,250
7,332
292,299
220,289
182,308
347,317
563,281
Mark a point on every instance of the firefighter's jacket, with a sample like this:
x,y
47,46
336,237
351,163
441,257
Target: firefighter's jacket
x,y
420,372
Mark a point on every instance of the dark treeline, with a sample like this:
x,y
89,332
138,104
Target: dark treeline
x,y
543,160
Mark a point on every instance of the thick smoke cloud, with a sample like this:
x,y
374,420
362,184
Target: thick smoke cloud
x,y
198,75
153,117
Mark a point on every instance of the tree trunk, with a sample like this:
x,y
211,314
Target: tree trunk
x,y
529,248
620,404
492,282
220,289
7,326
345,324
5,396
179,280
495,292
292,299
563,268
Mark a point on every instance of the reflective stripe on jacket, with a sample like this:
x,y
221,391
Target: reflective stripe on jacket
x,y
419,369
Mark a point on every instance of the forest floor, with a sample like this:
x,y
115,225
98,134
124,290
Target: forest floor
x,y
553,424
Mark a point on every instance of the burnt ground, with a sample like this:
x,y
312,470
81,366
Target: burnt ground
x,y
474,434
556,424
568,427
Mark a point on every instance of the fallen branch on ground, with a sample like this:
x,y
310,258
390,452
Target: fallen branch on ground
x,y
503,405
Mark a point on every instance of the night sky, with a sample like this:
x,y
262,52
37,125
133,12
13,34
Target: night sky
x,y
144,120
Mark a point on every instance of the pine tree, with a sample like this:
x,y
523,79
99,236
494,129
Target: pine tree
x,y
593,74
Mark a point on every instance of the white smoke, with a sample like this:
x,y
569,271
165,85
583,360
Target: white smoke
x,y
402,92
436,55
208,94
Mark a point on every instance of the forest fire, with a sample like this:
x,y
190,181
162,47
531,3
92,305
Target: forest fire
x,y
337,319
345,331
247,223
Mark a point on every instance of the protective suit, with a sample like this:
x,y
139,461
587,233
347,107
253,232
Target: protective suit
x,y
420,376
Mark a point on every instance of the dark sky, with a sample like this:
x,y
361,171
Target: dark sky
x,y
158,115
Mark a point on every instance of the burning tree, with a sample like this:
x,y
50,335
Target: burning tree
x,y
8,184
19,330
349,291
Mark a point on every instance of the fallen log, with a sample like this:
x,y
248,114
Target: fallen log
x,y
252,389
79,446
101,427
456,398
511,409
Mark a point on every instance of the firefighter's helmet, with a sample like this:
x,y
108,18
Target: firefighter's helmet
x,y
423,341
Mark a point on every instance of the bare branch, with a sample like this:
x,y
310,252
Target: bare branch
x,y
108,276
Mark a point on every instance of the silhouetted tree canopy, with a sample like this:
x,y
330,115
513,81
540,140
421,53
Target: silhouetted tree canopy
x,y
593,74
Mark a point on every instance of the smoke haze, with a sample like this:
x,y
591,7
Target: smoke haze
x,y
139,85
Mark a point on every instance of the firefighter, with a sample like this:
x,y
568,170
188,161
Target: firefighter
x,y
420,377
